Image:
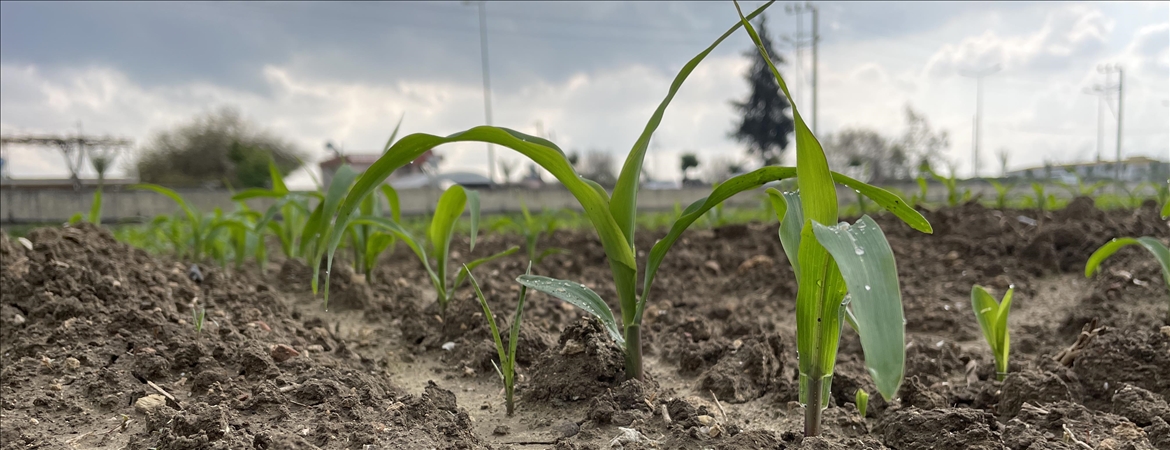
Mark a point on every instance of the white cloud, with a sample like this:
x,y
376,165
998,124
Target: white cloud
x,y
1065,35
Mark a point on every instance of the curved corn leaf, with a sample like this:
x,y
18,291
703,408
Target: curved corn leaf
x,y
251,193
625,193
787,206
403,234
277,179
867,265
541,151
192,214
391,195
447,211
1157,248
723,191
342,180
577,295
491,319
888,200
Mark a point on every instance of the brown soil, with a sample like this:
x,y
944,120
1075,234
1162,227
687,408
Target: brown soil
x,y
98,348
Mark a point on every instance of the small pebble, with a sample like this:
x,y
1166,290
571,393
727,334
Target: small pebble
x,y
282,353
18,319
567,429
449,346
501,430
150,403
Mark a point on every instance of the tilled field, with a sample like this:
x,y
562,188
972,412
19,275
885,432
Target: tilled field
x,y
98,349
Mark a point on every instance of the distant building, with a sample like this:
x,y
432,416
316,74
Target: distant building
x,y
418,174
1137,168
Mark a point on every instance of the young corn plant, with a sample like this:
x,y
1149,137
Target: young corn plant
x,y
993,320
954,193
923,189
533,227
291,207
437,245
1001,193
1043,201
189,220
861,399
845,273
95,211
612,216
507,367
1153,245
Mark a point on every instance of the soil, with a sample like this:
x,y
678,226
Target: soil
x,y
98,348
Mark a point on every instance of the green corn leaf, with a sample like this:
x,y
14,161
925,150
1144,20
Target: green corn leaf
x,y
1001,328
406,237
473,204
577,295
394,134
818,195
447,211
791,222
1157,248
514,332
723,191
888,200
867,265
95,209
625,194
464,271
392,199
541,151
1166,211
309,232
277,179
75,219
342,180
491,320
192,215
986,309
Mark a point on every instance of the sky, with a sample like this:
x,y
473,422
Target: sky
x,y
586,74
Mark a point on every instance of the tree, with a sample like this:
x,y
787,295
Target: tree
x,y
598,166
764,126
688,161
919,144
863,154
219,148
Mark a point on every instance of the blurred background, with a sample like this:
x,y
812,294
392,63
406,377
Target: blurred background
x,y
203,94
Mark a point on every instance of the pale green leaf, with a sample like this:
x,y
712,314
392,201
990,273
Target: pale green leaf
x,y
577,295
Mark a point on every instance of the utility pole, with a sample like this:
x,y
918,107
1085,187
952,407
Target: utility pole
x,y
978,76
800,9
1108,70
487,83
1099,91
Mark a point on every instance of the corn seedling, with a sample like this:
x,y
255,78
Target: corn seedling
x,y
923,189
845,273
190,220
292,209
1082,189
437,245
95,210
1154,246
532,227
993,320
1001,193
955,195
199,315
507,367
861,399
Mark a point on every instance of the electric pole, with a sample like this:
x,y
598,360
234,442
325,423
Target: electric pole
x,y
1099,91
487,83
800,9
1108,70
978,76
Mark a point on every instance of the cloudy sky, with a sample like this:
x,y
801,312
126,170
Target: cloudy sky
x,y
587,73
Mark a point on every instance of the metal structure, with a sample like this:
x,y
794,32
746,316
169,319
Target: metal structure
x,y
1109,70
978,76
76,149
487,82
799,9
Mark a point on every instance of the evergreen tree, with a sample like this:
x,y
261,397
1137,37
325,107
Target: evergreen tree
x,y
763,124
